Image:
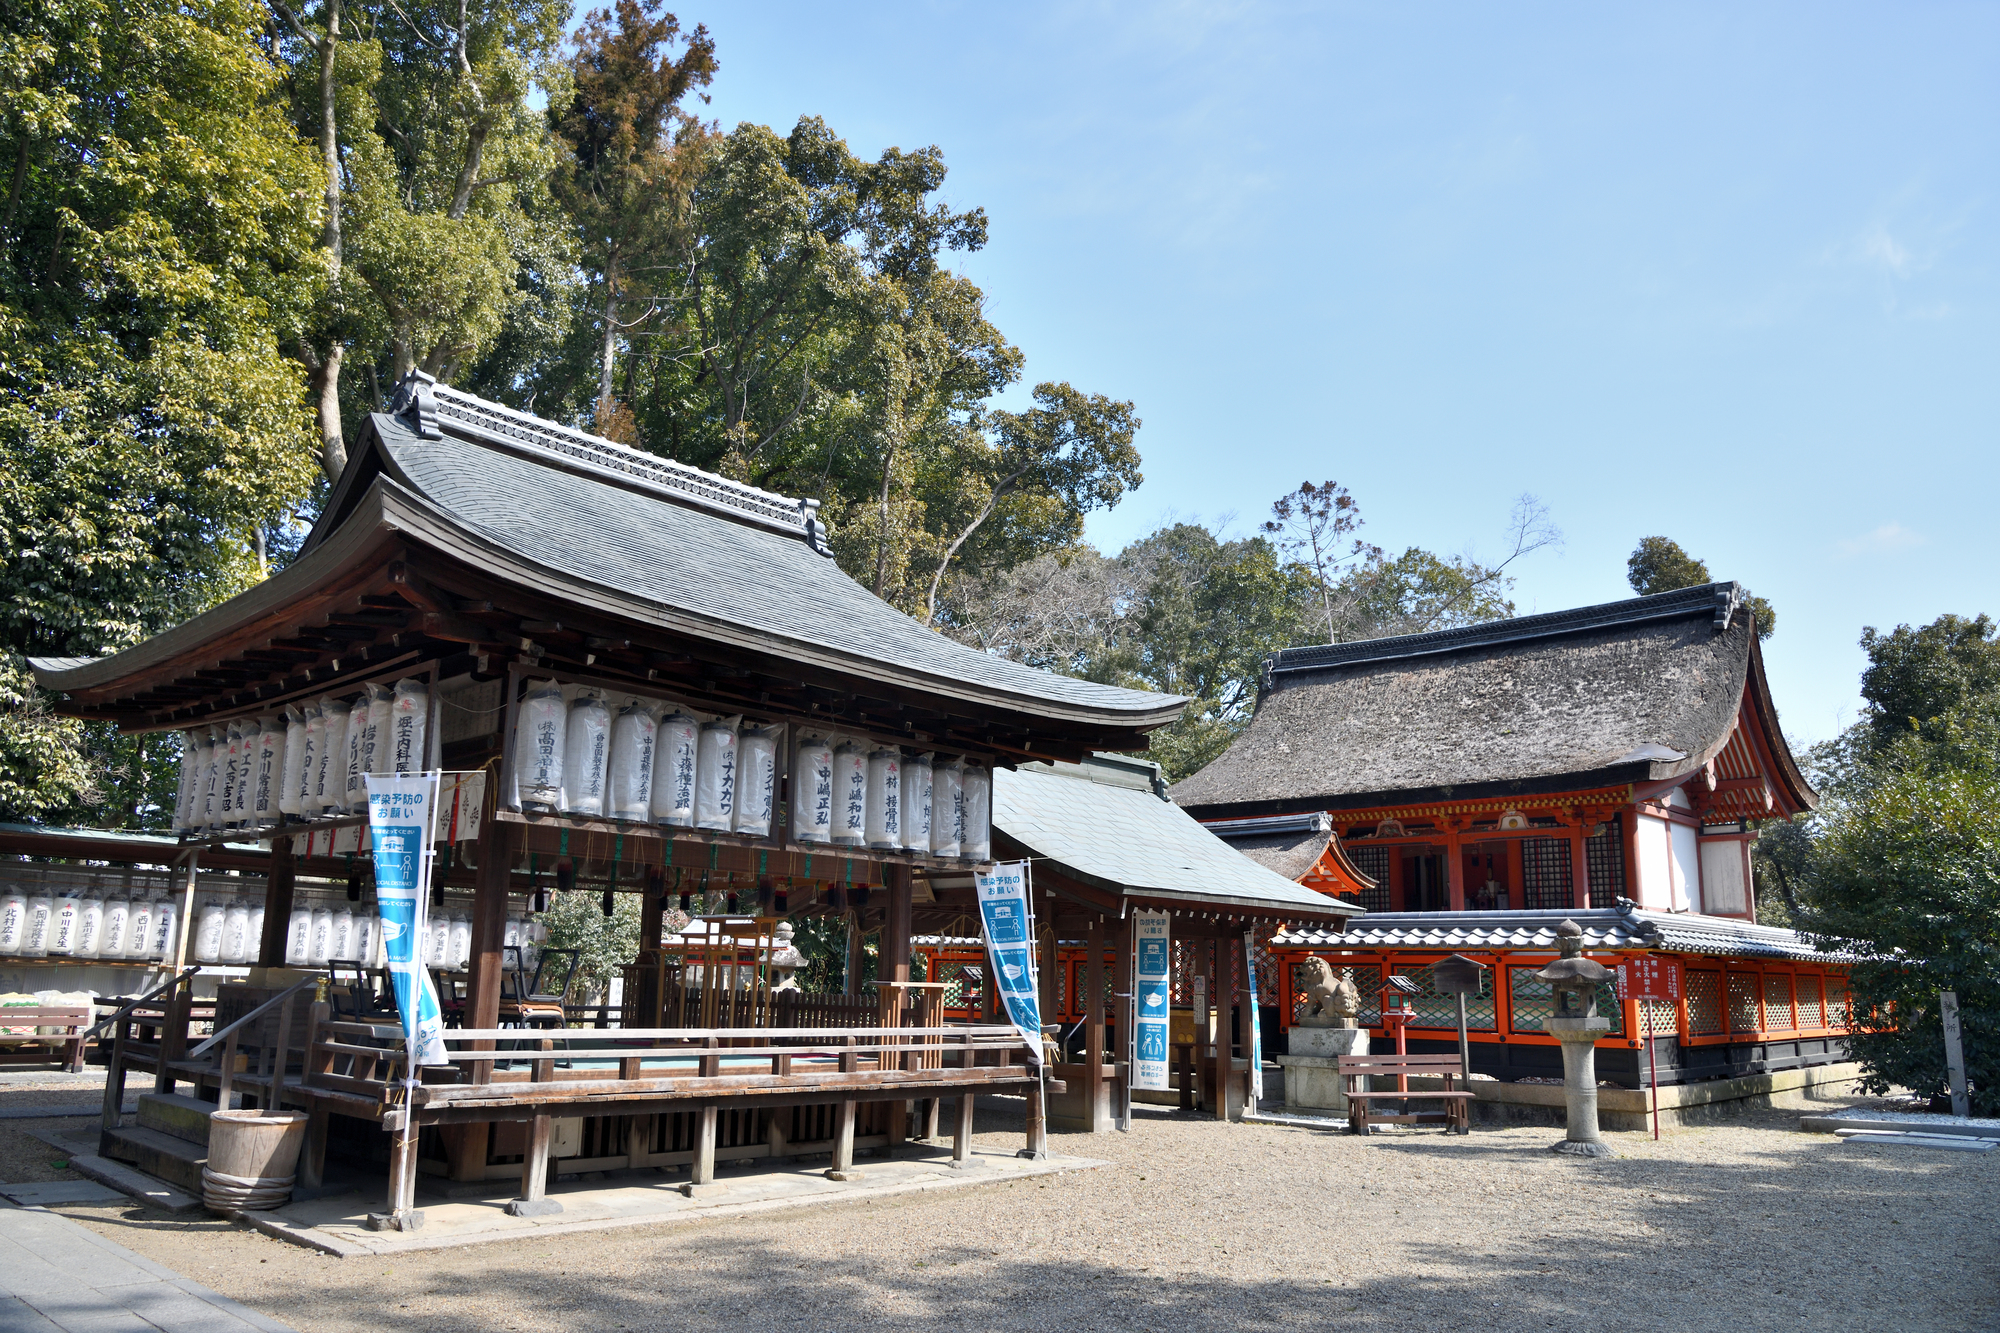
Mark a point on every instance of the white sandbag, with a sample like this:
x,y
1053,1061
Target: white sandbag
x,y
715,777
757,779
812,791
947,806
976,838
409,721
676,760
329,791
885,798
917,802
634,734
850,794
291,777
587,755
538,748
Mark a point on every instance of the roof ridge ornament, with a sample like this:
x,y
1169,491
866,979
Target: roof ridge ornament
x,y
1728,596
815,526
415,404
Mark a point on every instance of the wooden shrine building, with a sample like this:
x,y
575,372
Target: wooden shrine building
x,y
1473,787
477,551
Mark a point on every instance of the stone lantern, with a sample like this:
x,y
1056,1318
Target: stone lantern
x,y
1575,1024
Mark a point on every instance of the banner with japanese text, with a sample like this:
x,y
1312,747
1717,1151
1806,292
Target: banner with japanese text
x,y
1010,947
401,811
1152,1005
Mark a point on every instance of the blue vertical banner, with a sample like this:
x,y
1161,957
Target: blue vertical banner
x,y
1152,1007
402,809
1010,947
1253,1040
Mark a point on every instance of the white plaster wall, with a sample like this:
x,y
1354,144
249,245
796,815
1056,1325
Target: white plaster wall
x,y
1722,888
1687,867
1655,858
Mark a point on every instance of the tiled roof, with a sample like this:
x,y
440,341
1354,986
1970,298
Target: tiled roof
x,y
1603,928
1095,823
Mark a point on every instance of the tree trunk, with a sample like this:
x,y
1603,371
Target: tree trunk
x,y
610,352
333,445
882,537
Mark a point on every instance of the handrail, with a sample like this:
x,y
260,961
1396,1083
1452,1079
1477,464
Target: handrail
x,y
258,1012
130,1005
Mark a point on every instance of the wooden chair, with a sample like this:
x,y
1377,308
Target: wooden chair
x,y
537,1001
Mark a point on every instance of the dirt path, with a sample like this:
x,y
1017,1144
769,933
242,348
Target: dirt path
x,y
1195,1225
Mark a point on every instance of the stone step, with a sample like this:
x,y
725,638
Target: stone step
x,y
159,1155
177,1114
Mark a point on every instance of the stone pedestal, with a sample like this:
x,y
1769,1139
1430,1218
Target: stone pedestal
x,y
1579,1047
1312,1069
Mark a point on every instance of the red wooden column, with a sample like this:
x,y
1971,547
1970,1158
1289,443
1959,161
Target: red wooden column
x,y
1579,867
1454,864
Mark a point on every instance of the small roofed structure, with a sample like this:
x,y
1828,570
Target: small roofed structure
x,y
1607,763
1104,844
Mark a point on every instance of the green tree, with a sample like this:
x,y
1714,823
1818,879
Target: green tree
x,y
1915,678
1658,565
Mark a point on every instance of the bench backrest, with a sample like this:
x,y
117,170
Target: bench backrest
x,y
1395,1062
23,1017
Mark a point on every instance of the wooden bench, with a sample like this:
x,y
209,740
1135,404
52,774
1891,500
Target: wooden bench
x,y
1355,1071
65,1047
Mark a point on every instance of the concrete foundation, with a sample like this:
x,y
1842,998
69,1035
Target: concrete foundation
x,y
1312,1068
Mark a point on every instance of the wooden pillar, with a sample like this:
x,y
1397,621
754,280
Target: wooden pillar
x,y
278,893
466,1145
1093,1026
1579,867
851,976
1246,1019
896,929
702,1170
1123,982
1038,1125
961,1138
843,1144
1225,1052
1454,870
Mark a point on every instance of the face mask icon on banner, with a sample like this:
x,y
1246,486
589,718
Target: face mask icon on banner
x,y
392,930
1153,1001
1013,972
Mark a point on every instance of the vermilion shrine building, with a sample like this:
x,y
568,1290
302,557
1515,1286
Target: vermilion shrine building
x,y
1473,787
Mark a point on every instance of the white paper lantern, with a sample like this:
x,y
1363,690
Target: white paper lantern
x,y
214,757
13,922
885,798
229,750
256,930
62,925
35,937
190,769
850,794
90,929
976,840
340,941
587,751
757,780
812,791
291,778
947,806
269,773
165,922
320,951
538,748
353,780
329,789
243,801
676,765
298,938
363,939
111,940
461,941
715,778
139,927
371,755
409,725
635,733
917,802
237,946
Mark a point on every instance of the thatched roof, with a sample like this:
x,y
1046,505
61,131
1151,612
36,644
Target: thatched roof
x,y
1635,691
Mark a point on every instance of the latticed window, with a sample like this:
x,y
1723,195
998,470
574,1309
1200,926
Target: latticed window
x,y
1837,1015
1436,1009
1546,883
1367,980
1778,1002
1604,861
1812,1013
961,981
1659,1018
1533,1000
1743,990
1374,863
1704,1002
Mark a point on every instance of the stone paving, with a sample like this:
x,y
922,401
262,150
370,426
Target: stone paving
x,y
57,1275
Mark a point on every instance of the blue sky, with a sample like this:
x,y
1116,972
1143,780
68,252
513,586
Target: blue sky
x,y
1725,273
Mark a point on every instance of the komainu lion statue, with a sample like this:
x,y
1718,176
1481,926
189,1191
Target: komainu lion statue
x,y
1331,1001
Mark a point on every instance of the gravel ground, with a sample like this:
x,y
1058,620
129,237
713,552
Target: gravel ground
x,y
1748,1224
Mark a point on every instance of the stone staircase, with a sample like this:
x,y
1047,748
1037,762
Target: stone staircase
x,y
169,1140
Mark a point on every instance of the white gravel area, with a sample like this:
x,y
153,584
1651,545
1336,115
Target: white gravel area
x,y
1748,1224
1926,1117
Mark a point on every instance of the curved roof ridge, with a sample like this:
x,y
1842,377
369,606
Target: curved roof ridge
x,y
1717,599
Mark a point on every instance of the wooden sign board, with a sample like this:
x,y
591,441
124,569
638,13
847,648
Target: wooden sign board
x,y
1650,977
1459,975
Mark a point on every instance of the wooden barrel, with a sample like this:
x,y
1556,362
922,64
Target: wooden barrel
x,y
253,1158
